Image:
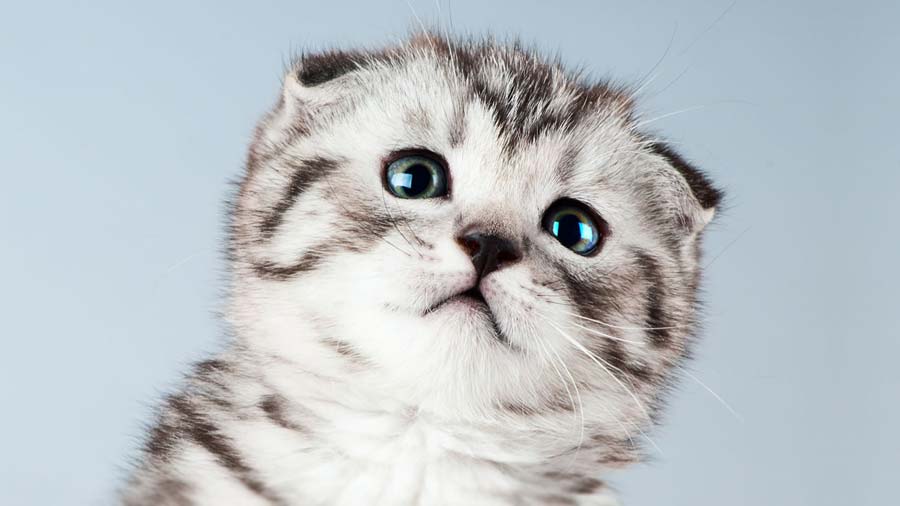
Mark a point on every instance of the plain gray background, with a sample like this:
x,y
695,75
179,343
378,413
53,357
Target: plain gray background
x,y
121,125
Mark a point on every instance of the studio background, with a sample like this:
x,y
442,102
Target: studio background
x,y
121,125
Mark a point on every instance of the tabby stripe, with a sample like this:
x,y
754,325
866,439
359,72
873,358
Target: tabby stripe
x,y
554,500
575,483
616,356
594,300
305,174
271,270
206,434
161,440
458,124
165,492
273,406
345,350
356,231
211,367
656,318
566,166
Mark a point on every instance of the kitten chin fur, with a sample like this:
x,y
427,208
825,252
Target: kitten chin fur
x,y
350,379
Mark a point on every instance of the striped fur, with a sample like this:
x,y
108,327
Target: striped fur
x,y
353,377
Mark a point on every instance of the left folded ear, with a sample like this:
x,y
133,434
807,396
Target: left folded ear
x,y
707,196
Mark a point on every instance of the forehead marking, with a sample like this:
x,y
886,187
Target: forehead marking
x,y
565,169
457,124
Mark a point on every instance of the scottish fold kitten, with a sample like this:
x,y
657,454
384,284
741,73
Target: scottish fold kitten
x,y
461,274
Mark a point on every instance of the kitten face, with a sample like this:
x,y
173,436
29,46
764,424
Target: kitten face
x,y
337,274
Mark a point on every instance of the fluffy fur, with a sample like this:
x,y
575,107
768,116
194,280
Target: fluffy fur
x,y
347,382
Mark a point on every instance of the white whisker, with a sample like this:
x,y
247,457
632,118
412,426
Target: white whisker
x,y
714,394
650,75
545,347
708,28
418,19
608,325
576,315
641,124
605,407
730,244
613,338
601,362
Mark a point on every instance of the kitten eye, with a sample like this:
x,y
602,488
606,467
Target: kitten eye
x,y
417,176
575,226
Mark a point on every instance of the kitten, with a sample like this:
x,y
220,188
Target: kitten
x,y
460,275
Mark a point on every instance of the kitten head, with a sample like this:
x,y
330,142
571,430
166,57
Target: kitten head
x,y
471,230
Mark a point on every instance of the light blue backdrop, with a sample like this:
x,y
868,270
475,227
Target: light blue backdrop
x,y
121,124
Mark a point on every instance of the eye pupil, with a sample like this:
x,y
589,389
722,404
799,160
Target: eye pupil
x,y
417,180
570,230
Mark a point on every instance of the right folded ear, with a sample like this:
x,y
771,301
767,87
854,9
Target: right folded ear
x,y
310,73
305,90
315,69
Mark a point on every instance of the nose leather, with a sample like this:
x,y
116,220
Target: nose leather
x,y
489,252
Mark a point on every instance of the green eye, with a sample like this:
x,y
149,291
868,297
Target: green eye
x,y
575,226
418,176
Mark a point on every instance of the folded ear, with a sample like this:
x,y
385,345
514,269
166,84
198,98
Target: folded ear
x,y
310,71
304,92
319,68
707,196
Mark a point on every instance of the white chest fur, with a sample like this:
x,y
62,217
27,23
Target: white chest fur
x,y
378,458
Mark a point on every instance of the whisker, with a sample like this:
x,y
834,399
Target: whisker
x,y
418,19
547,299
730,244
613,338
714,394
650,73
601,362
545,346
576,315
394,223
667,86
178,264
641,124
708,28
605,407
413,233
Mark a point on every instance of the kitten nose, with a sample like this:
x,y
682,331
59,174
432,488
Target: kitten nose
x,y
488,252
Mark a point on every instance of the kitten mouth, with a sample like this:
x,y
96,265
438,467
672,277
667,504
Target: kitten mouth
x,y
474,299
475,295
471,297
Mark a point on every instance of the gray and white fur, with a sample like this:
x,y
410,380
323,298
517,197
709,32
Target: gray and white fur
x,y
359,371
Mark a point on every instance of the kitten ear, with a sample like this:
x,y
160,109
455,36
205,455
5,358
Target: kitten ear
x,y
309,75
291,88
705,194
319,68
304,89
